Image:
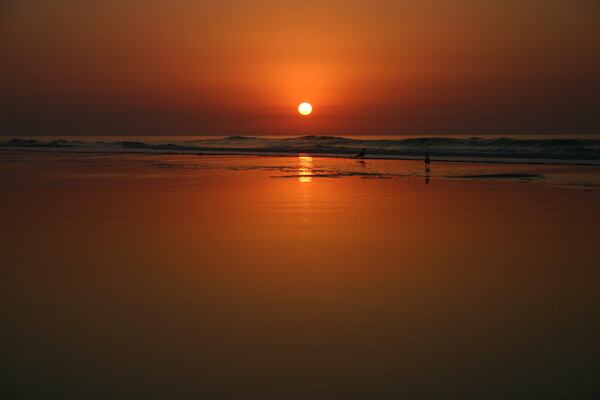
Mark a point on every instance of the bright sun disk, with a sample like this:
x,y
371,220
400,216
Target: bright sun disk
x,y
305,108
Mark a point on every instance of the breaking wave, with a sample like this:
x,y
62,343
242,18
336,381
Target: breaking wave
x,y
499,149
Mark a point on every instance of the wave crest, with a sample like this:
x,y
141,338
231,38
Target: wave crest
x,y
473,147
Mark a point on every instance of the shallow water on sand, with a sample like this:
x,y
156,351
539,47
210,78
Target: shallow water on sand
x,y
162,276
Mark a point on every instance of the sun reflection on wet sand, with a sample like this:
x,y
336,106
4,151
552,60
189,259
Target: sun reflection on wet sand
x,y
305,172
305,169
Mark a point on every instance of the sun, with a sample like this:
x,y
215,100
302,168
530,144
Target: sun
x,y
305,109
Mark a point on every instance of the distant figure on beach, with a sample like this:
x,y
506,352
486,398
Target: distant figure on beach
x,y
427,162
362,153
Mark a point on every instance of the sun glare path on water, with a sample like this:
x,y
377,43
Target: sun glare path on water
x,y
305,170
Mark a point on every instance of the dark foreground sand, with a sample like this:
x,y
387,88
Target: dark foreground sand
x,y
185,277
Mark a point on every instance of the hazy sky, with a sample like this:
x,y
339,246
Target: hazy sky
x,y
241,67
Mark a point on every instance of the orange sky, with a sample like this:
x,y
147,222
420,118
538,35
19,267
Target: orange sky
x,y
241,67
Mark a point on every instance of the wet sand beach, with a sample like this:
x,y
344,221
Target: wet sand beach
x,y
179,276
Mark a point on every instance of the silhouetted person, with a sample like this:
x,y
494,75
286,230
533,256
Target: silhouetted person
x,y
427,162
362,153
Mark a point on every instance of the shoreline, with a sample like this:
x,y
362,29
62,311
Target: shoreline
x,y
312,153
